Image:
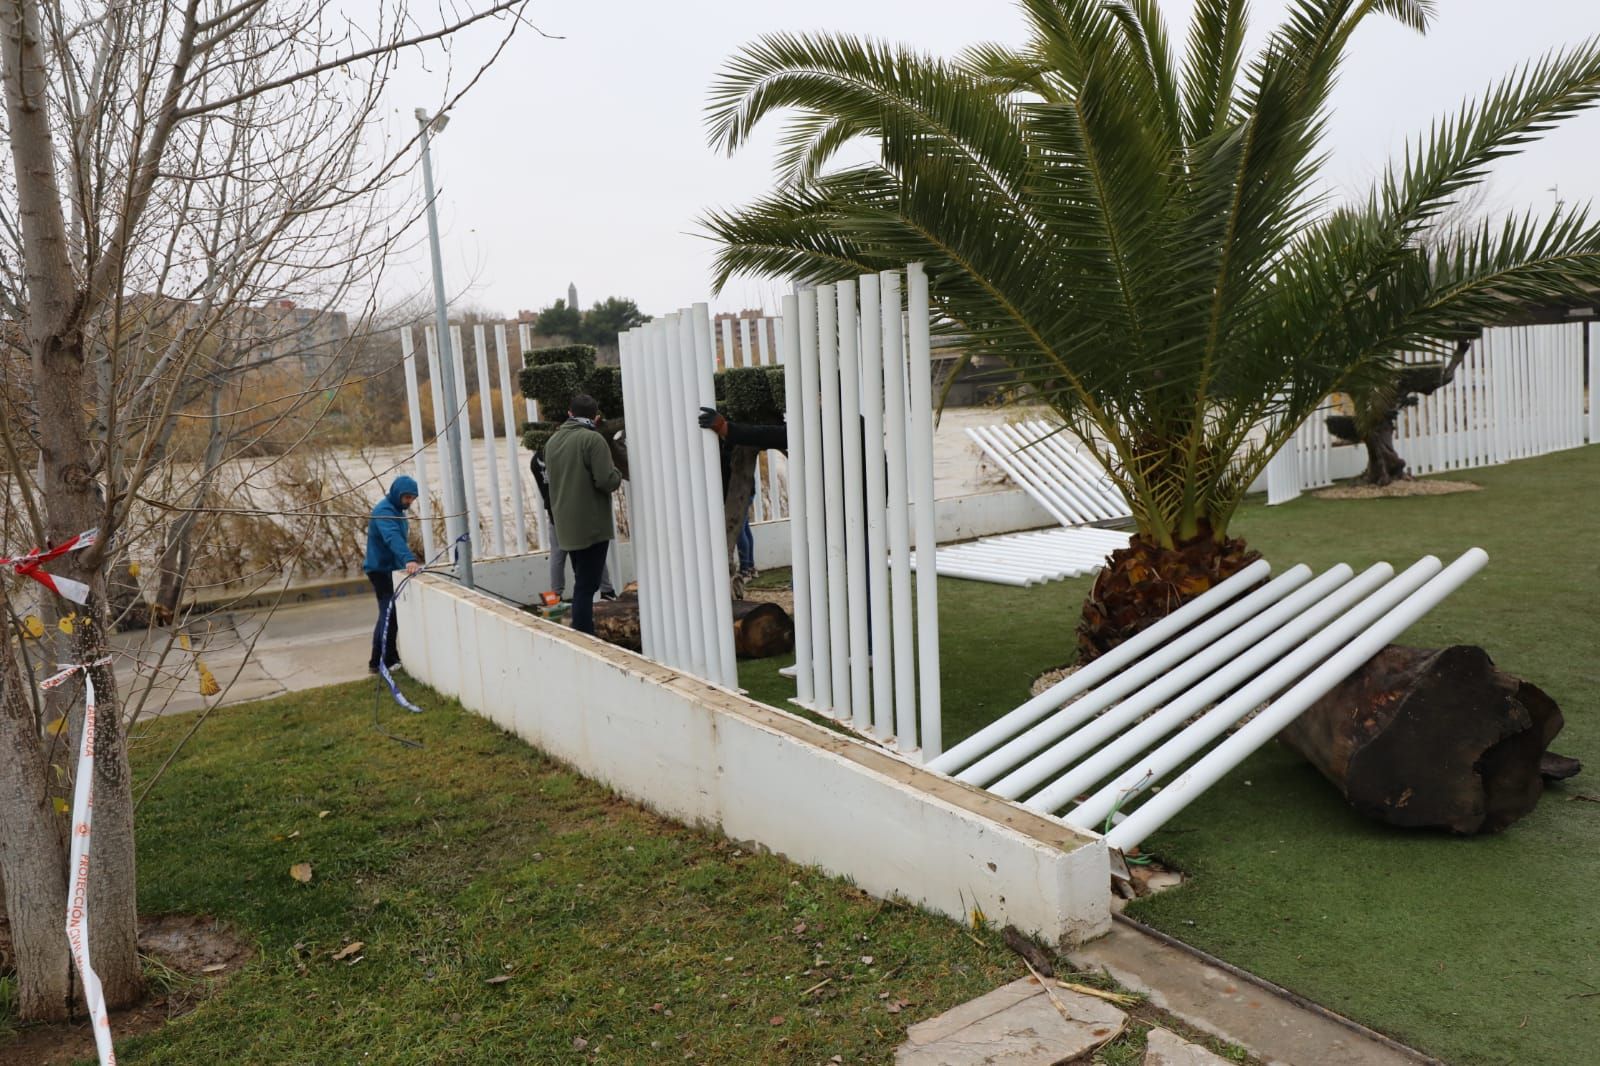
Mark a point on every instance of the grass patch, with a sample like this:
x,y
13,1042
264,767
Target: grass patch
x,y
1481,951
611,935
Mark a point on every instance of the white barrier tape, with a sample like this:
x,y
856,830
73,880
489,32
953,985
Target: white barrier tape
x,y
57,679
78,863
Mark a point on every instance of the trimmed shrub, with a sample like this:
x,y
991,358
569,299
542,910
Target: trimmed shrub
x,y
604,383
580,356
552,385
747,394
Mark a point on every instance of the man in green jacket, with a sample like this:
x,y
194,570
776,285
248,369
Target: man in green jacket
x,y
582,478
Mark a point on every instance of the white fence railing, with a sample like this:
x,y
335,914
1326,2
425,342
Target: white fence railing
x,y
1518,393
680,541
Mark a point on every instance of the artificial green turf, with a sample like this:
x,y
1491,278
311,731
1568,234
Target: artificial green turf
x,y
473,859
1479,950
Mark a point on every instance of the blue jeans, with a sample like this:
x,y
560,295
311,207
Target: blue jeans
x,y
747,547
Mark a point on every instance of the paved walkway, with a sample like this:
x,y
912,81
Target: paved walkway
x,y
251,655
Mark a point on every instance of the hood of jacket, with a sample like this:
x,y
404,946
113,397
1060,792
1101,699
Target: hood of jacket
x,y
404,485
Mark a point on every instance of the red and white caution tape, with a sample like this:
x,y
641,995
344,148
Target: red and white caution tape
x,y
78,886
29,566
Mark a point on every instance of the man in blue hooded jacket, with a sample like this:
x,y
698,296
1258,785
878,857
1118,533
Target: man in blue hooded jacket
x,y
388,551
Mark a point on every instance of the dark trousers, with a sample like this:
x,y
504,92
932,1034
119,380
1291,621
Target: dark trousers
x,y
587,566
383,586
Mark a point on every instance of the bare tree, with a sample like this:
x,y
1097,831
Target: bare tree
x,y
170,167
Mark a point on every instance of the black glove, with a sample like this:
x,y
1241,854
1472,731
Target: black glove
x,y
712,419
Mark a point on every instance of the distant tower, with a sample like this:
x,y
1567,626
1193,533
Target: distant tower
x,y
572,296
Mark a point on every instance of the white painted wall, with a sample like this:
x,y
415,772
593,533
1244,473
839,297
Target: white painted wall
x,y
703,755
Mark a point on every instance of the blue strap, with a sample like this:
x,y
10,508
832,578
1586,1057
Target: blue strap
x,y
388,612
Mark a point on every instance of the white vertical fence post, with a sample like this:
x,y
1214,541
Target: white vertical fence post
x,y
816,496
882,655
799,553
447,493
679,335
855,518
748,357
419,446
469,458
898,491
920,369
518,509
1593,343
641,530
719,590
491,443
833,484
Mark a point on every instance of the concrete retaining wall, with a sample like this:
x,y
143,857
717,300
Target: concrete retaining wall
x,y
706,756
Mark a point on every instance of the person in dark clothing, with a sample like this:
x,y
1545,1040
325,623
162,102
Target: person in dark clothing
x,y
582,478
558,556
388,551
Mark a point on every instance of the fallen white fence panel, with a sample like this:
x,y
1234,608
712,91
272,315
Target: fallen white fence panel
x,y
1108,734
1046,464
1029,558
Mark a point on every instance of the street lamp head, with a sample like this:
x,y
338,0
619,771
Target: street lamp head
x,y
436,124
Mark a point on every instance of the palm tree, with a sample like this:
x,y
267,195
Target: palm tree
x,y
1139,236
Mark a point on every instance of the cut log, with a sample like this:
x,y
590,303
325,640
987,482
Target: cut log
x,y
1431,738
760,630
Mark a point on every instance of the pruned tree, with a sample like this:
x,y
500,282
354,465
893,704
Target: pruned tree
x,y
170,168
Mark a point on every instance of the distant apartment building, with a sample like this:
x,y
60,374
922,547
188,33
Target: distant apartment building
x,y
305,338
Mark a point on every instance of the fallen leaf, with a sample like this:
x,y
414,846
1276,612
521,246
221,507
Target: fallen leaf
x,y
348,950
498,979
579,1043
323,814
301,871
292,835
799,928
866,960
776,1019
216,967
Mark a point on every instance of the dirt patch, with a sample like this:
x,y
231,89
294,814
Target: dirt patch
x,y
783,597
1395,490
199,952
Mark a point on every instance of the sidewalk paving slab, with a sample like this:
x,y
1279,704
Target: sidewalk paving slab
x,y
1015,1025
1165,1048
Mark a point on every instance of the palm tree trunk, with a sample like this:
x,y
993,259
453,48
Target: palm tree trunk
x,y
1144,582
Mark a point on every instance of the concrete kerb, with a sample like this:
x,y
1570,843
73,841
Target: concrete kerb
x,y
704,755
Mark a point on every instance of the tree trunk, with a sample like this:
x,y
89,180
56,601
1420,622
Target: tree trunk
x,y
33,858
1430,738
760,629
1384,464
1143,583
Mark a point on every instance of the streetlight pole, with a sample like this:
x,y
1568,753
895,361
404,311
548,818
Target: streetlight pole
x,y
457,512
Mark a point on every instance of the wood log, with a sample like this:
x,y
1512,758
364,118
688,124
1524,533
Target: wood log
x,y
1431,738
760,630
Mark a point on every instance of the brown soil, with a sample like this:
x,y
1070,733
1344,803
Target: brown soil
x,y
1394,490
782,597
200,951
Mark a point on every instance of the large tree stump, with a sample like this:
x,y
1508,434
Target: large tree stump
x,y
760,630
1431,738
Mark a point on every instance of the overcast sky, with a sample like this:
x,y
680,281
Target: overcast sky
x,y
584,159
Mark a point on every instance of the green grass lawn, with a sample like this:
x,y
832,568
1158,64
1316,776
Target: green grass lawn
x,y
1482,950
475,860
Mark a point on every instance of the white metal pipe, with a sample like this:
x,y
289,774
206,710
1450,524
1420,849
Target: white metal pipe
x,y
451,506
679,497
1155,812
724,358
419,447
719,594
525,341
996,732
920,369
799,553
748,357
662,460
810,440
1189,651
1013,580
1026,551
1025,470
519,512
692,483
1150,768
833,483
1093,479
642,516
1193,687
855,517
1014,472
491,442
469,459
899,511
1052,476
